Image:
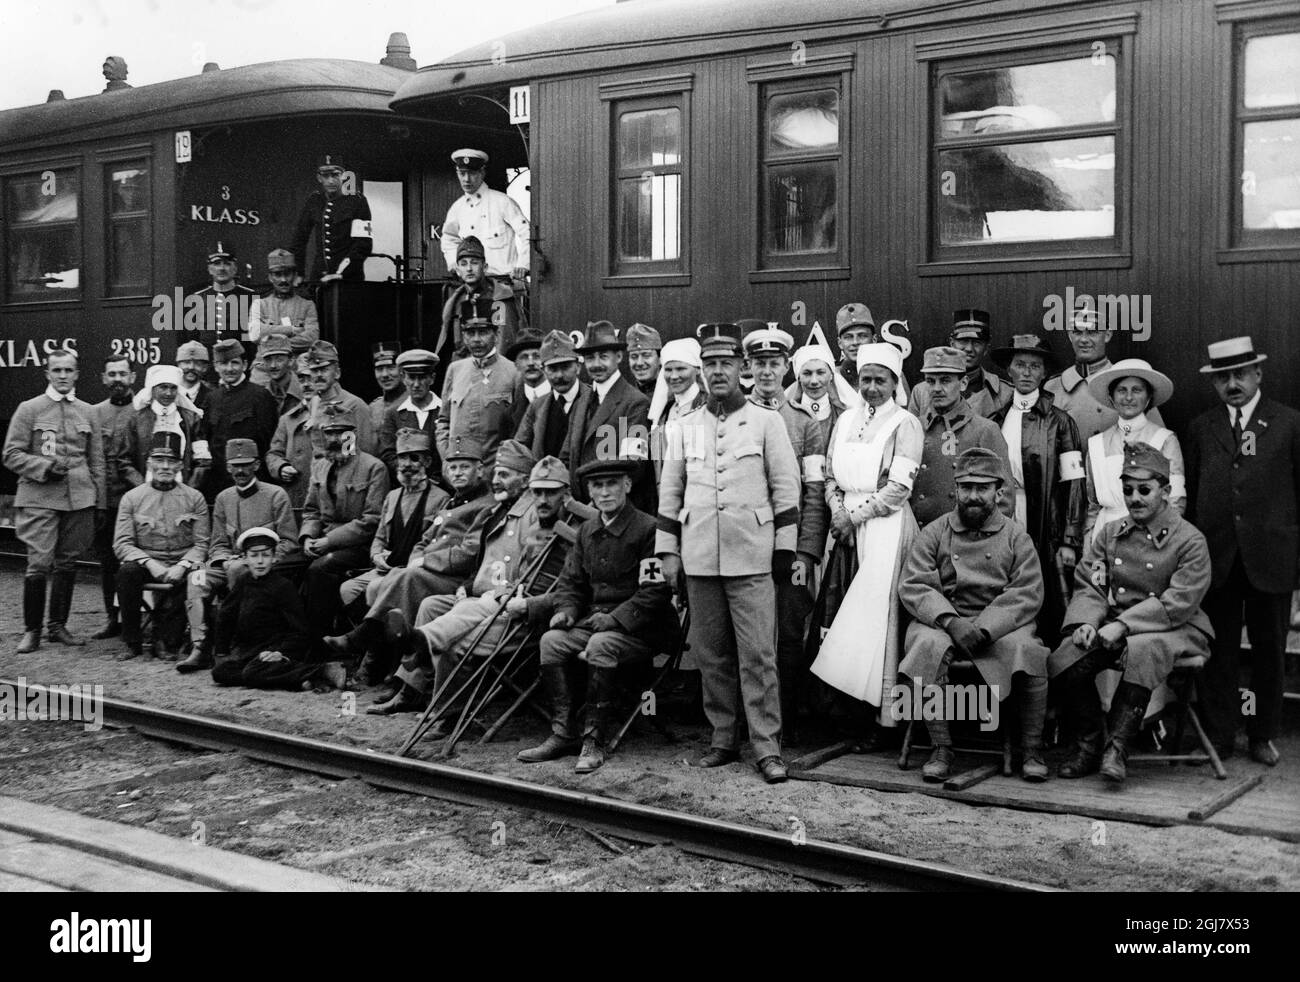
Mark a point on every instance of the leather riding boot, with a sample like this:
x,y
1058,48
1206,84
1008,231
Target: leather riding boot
x,y
601,706
62,584
114,626
369,631
1076,693
33,613
563,740
1127,710
1033,710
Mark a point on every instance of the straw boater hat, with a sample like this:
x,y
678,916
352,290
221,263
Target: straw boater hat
x,y
1230,354
1161,386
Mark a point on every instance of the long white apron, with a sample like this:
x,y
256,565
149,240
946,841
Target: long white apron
x,y
854,654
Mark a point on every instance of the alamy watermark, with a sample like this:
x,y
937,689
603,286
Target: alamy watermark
x,y
954,703
1129,312
77,703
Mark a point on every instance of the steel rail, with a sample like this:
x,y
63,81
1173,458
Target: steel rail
x,y
818,860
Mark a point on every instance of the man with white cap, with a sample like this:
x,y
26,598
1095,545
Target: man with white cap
x,y
418,410
160,405
344,236
1243,482
491,216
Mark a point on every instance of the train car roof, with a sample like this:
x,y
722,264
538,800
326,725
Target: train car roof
x,y
628,34
299,87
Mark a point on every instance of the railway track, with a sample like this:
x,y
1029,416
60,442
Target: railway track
x,y
816,860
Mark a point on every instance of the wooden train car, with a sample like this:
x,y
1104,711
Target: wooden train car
x,y
703,159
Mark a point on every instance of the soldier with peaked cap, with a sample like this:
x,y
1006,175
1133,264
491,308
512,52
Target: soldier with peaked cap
x,y
490,216
854,327
1136,607
951,427
225,303
325,372
612,607
118,377
767,350
341,222
193,360
547,422
728,517
341,515
477,392
643,356
418,410
161,535
973,583
983,391
392,390
249,504
281,314
55,447
288,461
277,359
1243,483
237,409
532,384
1047,487
478,295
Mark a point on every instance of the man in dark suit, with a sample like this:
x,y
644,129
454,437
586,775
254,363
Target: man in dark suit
x,y
617,426
1243,483
418,411
526,353
545,426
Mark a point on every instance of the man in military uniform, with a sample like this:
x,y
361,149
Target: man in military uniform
x,y
490,216
854,327
193,360
612,608
324,361
341,515
477,393
1070,390
417,411
526,353
1136,607
56,448
276,357
951,428
547,422
161,536
118,378
226,304
284,313
643,349
238,409
288,461
389,378
728,517
983,391
973,583
341,222
768,353
250,503
478,296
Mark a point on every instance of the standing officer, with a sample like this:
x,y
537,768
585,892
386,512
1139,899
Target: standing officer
x,y
983,391
418,411
477,393
490,216
118,378
951,428
55,446
324,361
643,349
1243,492
226,303
548,420
342,225
277,358
389,378
288,461
283,313
728,517
237,409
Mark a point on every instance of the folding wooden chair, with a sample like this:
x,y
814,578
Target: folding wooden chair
x,y
1183,681
657,677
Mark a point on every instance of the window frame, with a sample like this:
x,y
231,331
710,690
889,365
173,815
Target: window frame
x,y
35,169
638,95
141,155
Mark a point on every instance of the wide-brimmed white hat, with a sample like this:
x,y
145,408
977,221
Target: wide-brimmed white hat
x,y
1162,387
1230,354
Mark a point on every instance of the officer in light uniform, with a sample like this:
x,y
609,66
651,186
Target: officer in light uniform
x,y
477,393
341,222
284,312
55,446
728,518
490,216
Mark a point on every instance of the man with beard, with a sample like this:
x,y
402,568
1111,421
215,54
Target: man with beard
x,y
476,394
282,314
341,515
478,296
193,361
323,358
55,448
249,504
118,378
526,353
643,349
418,411
973,583
983,391
342,225
161,535
388,376
238,409
159,406
546,424
276,358
1136,607
288,462
440,562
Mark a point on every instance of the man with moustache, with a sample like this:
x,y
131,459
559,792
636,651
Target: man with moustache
x,y
237,409
193,360
983,391
417,410
526,353
1243,493
282,314
288,461
275,355
549,419
477,393
388,376
325,373
118,378
341,223
226,303
643,356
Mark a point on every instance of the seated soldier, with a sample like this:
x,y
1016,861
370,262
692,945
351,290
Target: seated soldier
x,y
262,633
1136,607
249,504
974,584
510,541
161,535
340,517
612,607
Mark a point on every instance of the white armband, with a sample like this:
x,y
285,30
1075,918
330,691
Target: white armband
x,y
814,468
1071,466
201,451
361,228
1177,486
904,471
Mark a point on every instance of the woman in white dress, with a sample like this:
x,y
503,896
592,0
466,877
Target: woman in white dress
x,y
871,461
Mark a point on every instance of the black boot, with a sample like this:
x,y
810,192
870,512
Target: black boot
x,y
1127,710
1033,710
61,587
1076,694
33,613
114,626
355,642
563,740
601,710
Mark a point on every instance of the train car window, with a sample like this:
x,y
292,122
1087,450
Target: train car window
x,y
648,186
1268,137
42,231
128,205
1024,153
801,159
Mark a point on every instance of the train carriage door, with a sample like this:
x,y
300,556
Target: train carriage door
x,y
389,226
